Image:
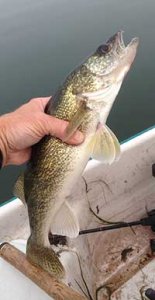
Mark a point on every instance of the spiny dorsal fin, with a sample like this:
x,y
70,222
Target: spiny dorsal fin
x,y
18,189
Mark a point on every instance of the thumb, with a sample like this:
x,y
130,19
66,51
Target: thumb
x,y
57,127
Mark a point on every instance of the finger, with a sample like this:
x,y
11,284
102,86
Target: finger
x,y
19,157
57,127
76,139
44,101
33,105
40,102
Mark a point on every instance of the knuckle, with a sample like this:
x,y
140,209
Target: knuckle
x,y
33,100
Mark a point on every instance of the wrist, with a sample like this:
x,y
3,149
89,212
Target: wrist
x,y
3,144
1,159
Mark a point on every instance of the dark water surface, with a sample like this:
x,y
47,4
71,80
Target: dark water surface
x,y
42,40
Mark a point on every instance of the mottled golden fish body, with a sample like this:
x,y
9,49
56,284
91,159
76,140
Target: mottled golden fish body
x,y
85,100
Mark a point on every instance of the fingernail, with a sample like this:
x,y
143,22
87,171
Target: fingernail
x,y
79,136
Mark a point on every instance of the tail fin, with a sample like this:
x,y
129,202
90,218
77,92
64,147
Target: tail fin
x,y
46,258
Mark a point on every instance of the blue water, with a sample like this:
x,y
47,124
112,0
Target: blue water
x,y
42,40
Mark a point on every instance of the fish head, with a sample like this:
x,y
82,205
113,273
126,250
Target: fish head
x,y
108,66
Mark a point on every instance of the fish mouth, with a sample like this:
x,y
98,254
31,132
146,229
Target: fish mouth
x,y
117,44
117,60
116,40
122,56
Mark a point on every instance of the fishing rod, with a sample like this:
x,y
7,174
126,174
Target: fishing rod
x,y
148,221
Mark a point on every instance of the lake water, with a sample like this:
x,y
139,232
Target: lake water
x,y
42,40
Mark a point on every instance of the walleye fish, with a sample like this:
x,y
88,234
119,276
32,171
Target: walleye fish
x,y
85,100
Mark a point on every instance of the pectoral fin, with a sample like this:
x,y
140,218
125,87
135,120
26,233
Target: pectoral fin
x,y
65,222
18,189
104,145
76,120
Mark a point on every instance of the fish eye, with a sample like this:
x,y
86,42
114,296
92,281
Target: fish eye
x,y
104,48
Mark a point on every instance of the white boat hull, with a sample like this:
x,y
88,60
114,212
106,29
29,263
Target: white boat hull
x,y
123,191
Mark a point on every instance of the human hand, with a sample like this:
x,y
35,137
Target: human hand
x,y
26,126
